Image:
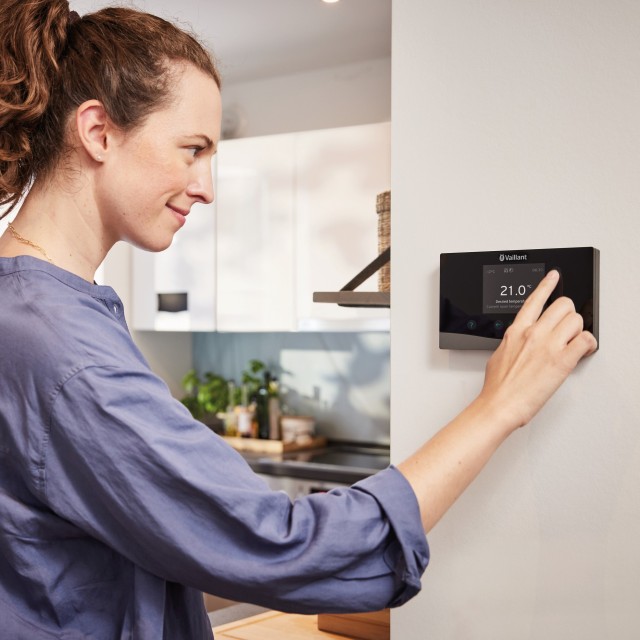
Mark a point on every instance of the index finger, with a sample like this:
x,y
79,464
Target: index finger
x,y
534,304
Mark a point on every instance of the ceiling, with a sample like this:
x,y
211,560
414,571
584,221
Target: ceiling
x,y
255,39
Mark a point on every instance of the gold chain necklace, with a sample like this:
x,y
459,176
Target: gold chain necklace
x,y
23,240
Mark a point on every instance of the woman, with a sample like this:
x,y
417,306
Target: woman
x,y
117,509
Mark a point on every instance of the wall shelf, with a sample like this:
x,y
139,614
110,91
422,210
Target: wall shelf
x,y
347,297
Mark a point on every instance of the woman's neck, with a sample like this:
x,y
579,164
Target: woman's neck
x,y
61,226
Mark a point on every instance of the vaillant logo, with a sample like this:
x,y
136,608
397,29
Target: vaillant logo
x,y
512,257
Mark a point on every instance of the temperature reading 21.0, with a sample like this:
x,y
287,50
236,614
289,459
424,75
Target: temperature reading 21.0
x,y
509,290
505,287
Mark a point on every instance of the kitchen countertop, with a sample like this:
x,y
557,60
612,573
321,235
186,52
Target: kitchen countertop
x,y
274,625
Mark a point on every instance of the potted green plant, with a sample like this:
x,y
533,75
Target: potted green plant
x,y
206,397
252,377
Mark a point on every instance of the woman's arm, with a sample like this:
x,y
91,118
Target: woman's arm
x,y
147,486
536,355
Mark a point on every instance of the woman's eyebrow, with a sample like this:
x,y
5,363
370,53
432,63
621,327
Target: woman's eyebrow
x,y
208,142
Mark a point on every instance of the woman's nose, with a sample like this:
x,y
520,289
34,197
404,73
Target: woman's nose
x,y
201,186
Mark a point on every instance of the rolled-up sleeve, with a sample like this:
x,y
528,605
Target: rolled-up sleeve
x,y
128,465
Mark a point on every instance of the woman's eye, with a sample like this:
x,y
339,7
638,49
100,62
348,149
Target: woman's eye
x,y
194,151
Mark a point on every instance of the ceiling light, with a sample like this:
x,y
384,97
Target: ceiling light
x,y
329,1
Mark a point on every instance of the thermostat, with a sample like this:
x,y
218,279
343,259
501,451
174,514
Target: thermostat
x,y
481,291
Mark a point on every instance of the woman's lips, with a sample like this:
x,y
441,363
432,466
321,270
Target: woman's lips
x,y
180,214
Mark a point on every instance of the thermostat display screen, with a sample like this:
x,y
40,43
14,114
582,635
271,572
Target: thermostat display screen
x,y
505,287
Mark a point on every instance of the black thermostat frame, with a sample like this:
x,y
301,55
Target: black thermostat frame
x,y
464,320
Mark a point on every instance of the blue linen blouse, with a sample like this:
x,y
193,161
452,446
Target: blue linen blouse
x,y
117,508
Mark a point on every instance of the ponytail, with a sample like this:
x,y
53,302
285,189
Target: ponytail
x,y
51,61
33,34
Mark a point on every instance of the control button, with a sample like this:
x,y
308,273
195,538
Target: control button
x,y
499,325
472,325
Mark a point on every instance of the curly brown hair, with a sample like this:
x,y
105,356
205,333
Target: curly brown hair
x,y
51,61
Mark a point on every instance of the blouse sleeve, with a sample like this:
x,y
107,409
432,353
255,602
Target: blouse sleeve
x,y
126,463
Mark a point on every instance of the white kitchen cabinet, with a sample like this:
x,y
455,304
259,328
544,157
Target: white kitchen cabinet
x,y
255,234
339,172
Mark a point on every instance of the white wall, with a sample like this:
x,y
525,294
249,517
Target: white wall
x,y
517,125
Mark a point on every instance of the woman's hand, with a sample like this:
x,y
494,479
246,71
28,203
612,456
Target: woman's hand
x,y
536,355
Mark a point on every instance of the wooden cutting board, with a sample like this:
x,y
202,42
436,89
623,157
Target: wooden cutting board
x,y
257,445
364,626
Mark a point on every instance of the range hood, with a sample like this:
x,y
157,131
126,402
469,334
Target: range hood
x,y
348,297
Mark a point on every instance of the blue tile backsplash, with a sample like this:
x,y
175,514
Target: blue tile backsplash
x,y
342,379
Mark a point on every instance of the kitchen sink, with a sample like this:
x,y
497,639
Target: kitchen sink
x,y
344,456
337,462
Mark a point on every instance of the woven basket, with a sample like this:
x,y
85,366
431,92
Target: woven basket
x,y
383,207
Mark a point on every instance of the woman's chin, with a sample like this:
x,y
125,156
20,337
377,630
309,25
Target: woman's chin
x,y
154,246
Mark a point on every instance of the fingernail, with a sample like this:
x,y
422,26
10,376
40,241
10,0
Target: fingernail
x,y
553,274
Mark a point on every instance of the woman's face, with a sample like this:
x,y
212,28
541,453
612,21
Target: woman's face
x,y
151,177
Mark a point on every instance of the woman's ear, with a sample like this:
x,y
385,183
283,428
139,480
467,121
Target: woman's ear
x,y
94,129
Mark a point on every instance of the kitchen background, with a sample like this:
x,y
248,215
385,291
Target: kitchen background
x,y
340,377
